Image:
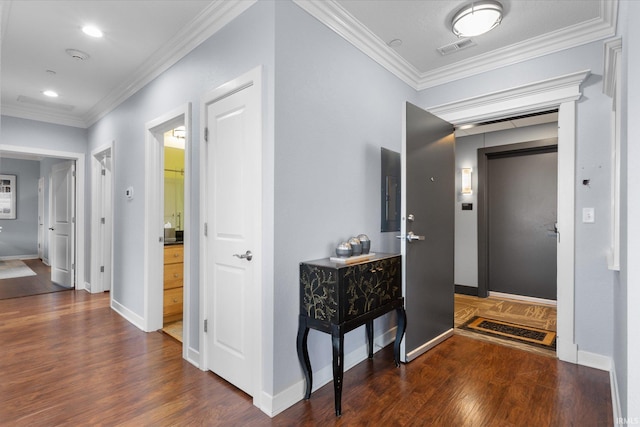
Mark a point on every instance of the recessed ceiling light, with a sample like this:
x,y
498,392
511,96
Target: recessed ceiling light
x,y
50,93
92,31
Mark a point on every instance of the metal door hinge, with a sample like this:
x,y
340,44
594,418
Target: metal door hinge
x,y
102,220
104,171
73,220
102,269
73,174
73,266
205,325
206,134
205,229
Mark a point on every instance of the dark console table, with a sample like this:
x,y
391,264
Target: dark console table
x,y
336,298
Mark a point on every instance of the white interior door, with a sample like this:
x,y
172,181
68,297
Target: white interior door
x,y
233,211
101,220
62,242
41,218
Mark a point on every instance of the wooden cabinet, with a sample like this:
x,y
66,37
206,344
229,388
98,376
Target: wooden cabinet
x,y
337,298
173,282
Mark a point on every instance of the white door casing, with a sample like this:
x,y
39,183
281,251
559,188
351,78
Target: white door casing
x,y
231,203
101,219
62,243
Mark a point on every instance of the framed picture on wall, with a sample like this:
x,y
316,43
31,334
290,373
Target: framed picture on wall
x,y
7,197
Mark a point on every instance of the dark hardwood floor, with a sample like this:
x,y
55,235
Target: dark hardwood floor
x,y
68,359
30,285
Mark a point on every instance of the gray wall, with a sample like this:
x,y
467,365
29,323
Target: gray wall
x,y
335,108
593,279
466,232
242,45
19,237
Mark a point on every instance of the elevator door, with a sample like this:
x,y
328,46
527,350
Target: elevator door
x,y
522,213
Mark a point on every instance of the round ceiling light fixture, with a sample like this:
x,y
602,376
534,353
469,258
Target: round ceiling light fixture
x,y
92,31
477,18
50,93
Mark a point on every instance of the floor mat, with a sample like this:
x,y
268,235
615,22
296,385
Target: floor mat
x,y
511,331
10,269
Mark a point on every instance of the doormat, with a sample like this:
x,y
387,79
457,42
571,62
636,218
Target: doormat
x,y
511,331
10,269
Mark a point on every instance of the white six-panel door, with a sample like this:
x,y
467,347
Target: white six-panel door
x,y
232,156
62,244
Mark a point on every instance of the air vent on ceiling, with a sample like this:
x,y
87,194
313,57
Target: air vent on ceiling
x,y
78,55
47,104
456,46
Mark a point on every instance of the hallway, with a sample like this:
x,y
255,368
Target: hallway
x,y
69,359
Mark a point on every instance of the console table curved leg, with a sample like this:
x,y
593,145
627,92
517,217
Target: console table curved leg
x,y
303,355
369,328
402,326
337,339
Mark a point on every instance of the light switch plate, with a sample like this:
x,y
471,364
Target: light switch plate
x,y
588,215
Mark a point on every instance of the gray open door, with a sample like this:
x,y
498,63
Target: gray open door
x,y
427,230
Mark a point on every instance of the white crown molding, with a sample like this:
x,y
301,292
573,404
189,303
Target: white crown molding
x,y
344,24
210,21
612,52
334,16
43,116
535,96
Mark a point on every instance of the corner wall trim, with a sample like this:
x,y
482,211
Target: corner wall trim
x,y
129,315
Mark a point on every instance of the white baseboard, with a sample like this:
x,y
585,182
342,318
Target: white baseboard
x,y
193,357
273,405
13,257
523,298
594,360
615,396
428,346
123,311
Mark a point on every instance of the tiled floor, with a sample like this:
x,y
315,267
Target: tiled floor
x,y
540,316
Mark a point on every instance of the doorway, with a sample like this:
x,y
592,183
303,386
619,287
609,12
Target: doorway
x,y
155,272
55,156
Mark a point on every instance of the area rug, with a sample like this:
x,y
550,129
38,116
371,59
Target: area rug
x,y
10,269
511,331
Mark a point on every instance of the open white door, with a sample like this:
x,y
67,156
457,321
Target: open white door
x,y
101,220
231,258
62,242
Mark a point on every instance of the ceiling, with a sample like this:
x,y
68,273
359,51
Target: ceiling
x,y
143,38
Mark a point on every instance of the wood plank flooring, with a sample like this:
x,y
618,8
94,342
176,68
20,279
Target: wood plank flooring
x,y
68,359
30,285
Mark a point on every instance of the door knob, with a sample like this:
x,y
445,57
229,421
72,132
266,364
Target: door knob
x,y
51,228
247,255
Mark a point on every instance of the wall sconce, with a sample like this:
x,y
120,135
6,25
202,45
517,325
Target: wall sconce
x,y
466,181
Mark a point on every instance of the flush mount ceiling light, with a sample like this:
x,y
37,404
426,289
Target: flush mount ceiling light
x,y
477,18
92,31
50,93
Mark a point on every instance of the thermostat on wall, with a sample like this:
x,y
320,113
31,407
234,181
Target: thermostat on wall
x,y
129,193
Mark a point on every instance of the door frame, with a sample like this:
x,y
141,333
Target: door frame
x,y
41,218
99,198
154,223
484,154
80,209
562,92
255,78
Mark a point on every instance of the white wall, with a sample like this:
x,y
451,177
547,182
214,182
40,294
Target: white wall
x,y
335,108
466,222
19,237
